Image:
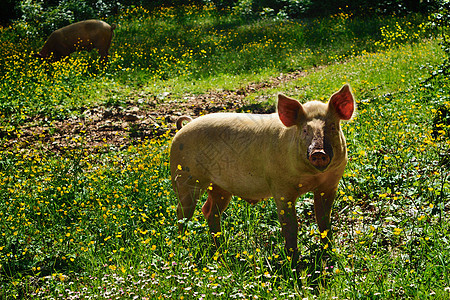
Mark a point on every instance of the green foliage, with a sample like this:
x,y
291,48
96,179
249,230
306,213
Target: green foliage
x,y
308,8
439,79
39,18
441,21
281,9
8,11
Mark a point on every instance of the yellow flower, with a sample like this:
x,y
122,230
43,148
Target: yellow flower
x,y
397,231
112,267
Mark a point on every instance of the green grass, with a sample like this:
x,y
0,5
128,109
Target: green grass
x,y
85,224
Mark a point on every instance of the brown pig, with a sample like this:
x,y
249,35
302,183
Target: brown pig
x,y
299,149
84,35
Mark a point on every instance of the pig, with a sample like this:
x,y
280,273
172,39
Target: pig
x,y
84,35
298,149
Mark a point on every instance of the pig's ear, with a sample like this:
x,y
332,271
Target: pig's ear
x,y
289,110
343,103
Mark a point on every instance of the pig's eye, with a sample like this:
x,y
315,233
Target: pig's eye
x,y
333,127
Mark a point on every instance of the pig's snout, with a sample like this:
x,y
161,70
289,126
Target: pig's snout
x,y
320,153
319,159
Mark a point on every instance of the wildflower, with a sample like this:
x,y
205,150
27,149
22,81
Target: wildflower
x,y
62,277
397,231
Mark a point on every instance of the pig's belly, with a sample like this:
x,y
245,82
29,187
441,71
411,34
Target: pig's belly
x,y
247,186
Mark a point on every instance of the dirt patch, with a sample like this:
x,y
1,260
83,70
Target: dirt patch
x,y
141,118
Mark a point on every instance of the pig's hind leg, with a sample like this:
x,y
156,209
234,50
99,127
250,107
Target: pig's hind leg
x,y
187,199
217,202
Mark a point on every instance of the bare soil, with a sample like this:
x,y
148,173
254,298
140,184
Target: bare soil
x,y
143,116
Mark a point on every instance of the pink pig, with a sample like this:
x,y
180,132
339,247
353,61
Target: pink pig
x,y
299,149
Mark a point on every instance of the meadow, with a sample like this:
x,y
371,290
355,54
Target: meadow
x,y
99,221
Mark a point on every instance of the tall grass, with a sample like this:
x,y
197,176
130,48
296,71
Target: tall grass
x,y
102,224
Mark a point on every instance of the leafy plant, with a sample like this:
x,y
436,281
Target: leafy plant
x,y
40,18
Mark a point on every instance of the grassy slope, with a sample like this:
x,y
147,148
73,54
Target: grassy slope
x,y
83,224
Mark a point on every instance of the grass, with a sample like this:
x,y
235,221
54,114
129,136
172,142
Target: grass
x,y
86,224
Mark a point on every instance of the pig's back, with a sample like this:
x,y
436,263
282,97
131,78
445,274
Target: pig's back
x,y
236,130
227,148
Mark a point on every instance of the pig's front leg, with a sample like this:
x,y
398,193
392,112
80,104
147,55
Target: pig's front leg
x,y
289,226
323,202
